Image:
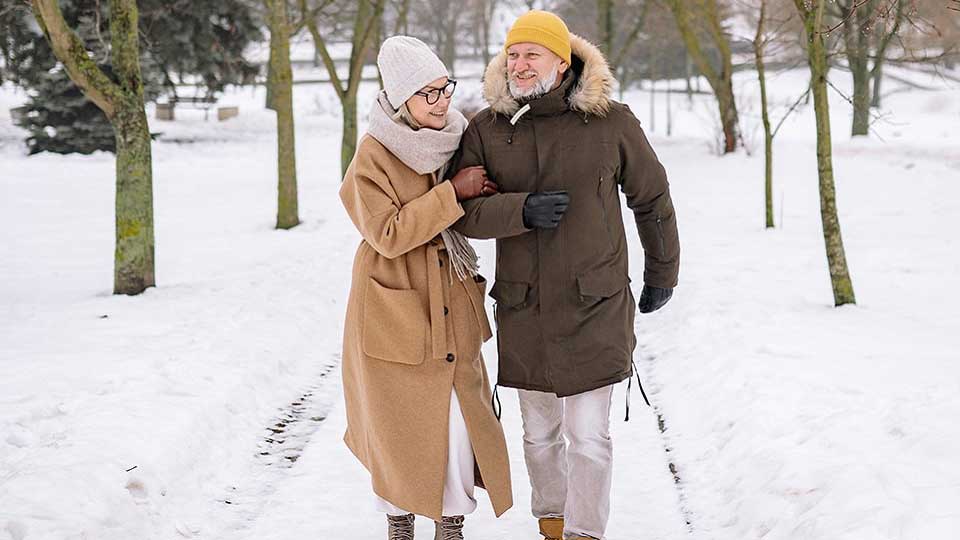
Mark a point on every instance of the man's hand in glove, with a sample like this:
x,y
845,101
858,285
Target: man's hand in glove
x,y
653,298
544,210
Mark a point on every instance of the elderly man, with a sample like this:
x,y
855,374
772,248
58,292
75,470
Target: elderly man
x,y
560,148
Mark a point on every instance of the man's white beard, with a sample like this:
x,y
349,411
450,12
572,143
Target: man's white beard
x,y
541,87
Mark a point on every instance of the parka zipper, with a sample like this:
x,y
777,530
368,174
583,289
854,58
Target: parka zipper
x,y
603,208
663,248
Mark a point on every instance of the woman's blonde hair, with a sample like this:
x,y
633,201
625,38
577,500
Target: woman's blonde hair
x,y
404,115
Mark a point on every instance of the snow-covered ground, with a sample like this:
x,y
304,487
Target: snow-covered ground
x,y
209,407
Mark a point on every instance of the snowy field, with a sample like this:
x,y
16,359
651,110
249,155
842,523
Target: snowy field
x,y
209,407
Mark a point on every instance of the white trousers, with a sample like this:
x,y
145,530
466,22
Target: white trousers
x,y
569,456
458,488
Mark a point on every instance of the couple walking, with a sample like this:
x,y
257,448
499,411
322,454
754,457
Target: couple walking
x,y
539,171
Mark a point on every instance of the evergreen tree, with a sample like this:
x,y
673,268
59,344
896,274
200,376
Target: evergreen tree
x,y
61,119
201,41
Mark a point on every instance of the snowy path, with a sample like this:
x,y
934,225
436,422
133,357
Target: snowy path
x,y
326,493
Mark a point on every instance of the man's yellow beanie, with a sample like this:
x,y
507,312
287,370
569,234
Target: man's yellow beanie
x,y
542,28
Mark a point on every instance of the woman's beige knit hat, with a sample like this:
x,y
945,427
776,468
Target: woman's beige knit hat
x,y
407,65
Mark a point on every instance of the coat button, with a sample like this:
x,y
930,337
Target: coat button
x,y
451,357
445,310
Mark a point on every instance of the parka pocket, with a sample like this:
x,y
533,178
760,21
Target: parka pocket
x,y
602,282
510,294
395,324
477,291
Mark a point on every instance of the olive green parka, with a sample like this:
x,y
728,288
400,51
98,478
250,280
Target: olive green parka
x,y
564,306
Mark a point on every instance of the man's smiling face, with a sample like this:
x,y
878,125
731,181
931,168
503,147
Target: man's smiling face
x,y
533,69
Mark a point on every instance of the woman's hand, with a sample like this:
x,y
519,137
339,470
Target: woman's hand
x,y
472,182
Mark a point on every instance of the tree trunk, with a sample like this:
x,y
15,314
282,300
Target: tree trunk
x,y
877,76
605,26
487,9
270,83
653,91
728,115
282,92
833,240
134,249
402,26
450,50
669,109
861,102
759,45
134,253
653,105
363,33
858,51
720,81
348,142
122,103
880,52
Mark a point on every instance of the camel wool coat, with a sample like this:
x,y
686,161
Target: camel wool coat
x,y
413,333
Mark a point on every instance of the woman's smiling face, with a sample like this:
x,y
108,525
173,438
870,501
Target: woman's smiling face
x,y
430,116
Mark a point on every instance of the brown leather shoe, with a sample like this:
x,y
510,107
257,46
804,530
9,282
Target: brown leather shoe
x,y
400,527
551,528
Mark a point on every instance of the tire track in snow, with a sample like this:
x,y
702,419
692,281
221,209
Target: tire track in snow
x,y
649,361
283,441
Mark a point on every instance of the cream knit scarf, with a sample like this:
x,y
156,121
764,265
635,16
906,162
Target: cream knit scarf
x,y
426,151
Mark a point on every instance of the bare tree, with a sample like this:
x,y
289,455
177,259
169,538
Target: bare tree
x,y
364,27
632,17
759,50
812,13
769,33
402,25
719,77
121,100
483,17
888,29
280,83
441,22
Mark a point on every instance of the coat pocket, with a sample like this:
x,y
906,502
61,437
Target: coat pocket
x,y
477,291
602,282
395,324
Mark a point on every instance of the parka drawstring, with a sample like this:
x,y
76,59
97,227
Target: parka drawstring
x,y
495,403
629,384
515,120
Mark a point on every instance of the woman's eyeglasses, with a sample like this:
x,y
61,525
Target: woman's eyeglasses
x,y
432,95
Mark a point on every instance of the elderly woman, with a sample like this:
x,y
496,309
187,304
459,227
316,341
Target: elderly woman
x,y
418,401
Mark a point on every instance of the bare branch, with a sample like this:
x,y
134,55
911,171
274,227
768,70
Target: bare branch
x,y
687,32
360,47
321,46
638,25
790,110
846,14
70,50
125,45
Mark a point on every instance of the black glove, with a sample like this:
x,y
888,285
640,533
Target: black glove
x,y
653,298
544,210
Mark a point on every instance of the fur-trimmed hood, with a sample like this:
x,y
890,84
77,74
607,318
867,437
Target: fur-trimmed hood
x,y
591,95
